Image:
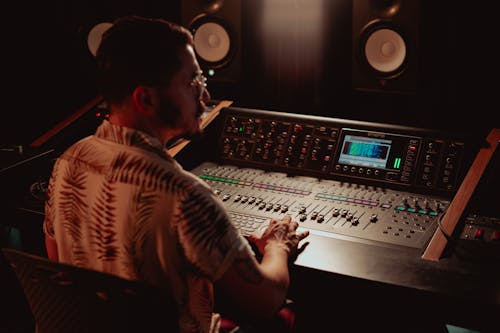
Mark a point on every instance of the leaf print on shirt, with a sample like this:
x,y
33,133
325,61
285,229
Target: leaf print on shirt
x,y
203,231
48,224
149,175
142,208
72,207
200,211
103,223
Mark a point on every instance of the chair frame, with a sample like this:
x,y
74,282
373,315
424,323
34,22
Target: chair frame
x,y
66,298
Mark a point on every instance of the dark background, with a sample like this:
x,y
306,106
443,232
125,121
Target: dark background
x,y
49,72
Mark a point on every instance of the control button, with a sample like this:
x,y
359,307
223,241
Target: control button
x,y
479,234
335,212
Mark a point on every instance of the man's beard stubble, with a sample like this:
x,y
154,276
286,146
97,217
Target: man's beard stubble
x,y
171,113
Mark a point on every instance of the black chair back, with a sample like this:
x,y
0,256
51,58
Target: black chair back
x,y
66,298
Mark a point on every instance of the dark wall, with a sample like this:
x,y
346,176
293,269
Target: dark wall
x,y
50,69
51,72
452,68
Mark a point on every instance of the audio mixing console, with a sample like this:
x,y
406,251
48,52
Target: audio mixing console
x,y
353,180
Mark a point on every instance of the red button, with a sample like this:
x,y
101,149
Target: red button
x,y
479,234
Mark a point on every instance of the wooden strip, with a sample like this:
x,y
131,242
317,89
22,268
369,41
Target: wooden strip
x,y
209,117
66,122
455,211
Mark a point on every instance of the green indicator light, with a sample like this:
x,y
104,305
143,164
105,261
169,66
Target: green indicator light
x,y
241,129
397,162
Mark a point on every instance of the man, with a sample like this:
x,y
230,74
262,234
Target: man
x,y
118,203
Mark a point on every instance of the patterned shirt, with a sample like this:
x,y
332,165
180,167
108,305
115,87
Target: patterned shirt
x,y
118,203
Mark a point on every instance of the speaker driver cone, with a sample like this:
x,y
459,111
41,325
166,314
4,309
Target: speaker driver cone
x,y
385,51
212,41
95,36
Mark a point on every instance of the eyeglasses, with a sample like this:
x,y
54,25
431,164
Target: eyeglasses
x,y
199,82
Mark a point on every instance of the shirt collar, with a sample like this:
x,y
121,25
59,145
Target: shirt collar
x,y
130,137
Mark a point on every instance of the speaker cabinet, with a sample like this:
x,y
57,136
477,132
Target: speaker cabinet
x,y
216,28
385,45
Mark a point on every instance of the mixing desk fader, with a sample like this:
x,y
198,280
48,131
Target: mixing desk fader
x,y
326,207
360,181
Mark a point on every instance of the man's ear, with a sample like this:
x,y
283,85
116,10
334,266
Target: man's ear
x,y
144,99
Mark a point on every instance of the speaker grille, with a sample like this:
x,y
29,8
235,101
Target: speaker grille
x,y
385,52
212,41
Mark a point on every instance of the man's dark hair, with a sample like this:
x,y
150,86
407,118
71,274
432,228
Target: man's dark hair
x,y
138,51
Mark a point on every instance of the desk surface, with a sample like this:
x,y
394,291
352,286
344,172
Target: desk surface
x,y
383,279
464,292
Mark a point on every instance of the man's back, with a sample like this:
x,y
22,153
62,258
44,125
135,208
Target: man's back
x,y
119,204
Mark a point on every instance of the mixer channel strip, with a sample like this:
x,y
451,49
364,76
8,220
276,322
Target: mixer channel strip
x,y
326,207
247,224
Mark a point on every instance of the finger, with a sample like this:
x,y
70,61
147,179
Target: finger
x,y
294,225
273,222
303,235
252,237
286,218
301,248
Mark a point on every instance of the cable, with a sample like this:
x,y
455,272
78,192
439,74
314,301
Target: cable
x,y
441,228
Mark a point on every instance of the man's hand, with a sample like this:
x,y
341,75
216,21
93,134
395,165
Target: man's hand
x,y
282,232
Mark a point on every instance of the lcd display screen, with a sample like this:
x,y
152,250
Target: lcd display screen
x,y
365,151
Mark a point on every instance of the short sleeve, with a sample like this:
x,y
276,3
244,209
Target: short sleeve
x,y
208,237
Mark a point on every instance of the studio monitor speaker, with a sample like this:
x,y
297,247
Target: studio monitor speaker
x,y
216,28
385,46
